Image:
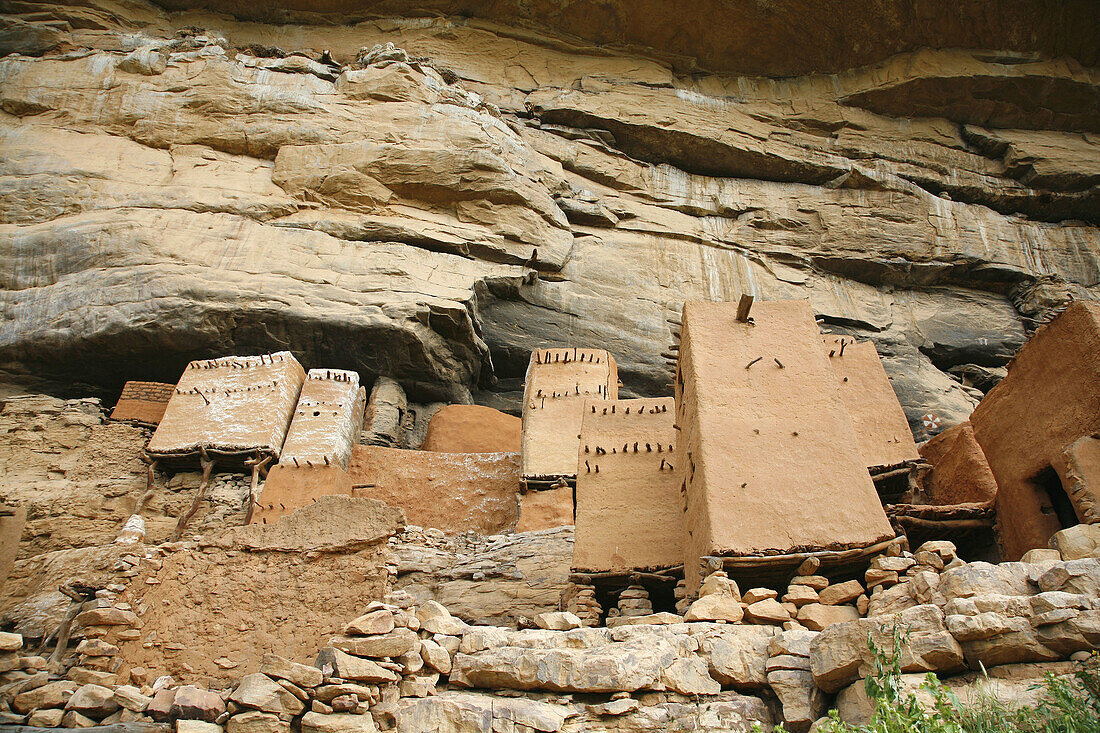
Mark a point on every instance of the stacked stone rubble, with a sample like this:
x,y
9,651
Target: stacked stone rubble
x,y
581,600
401,663
633,602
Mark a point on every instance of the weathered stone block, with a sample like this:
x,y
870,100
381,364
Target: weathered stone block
x,y
840,651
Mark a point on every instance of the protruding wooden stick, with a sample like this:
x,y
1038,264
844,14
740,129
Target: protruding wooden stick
x,y
743,307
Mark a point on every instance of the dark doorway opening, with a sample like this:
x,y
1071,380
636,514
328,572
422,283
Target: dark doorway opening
x,y
1050,483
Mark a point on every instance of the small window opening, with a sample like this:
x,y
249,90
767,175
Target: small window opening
x,y
1057,501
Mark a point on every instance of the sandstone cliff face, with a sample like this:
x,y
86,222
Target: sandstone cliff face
x,y
177,186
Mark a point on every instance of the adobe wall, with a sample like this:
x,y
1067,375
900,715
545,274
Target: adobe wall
x,y
473,429
289,487
960,472
238,404
210,613
630,514
143,402
881,426
327,419
1079,469
768,456
545,509
558,381
455,492
1050,398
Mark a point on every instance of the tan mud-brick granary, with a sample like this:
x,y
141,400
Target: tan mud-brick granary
x,y
767,456
885,439
882,429
629,511
327,418
235,406
143,402
318,446
1027,423
557,384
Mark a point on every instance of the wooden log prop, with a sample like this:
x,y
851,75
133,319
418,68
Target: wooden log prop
x,y
207,464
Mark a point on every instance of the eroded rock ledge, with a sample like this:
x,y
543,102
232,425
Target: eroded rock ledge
x,y
188,185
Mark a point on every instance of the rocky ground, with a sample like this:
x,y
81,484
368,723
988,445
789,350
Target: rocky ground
x,y
80,476
988,630
433,210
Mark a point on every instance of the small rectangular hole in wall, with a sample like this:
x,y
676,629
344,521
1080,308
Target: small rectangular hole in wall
x,y
1055,499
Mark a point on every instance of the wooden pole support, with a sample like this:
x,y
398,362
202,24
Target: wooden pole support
x,y
743,307
207,464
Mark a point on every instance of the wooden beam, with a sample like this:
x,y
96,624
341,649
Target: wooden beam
x,y
743,307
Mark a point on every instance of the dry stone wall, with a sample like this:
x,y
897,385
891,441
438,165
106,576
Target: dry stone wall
x,y
405,663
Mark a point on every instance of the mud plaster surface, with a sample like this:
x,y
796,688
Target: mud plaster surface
x,y
1050,398
554,392
495,579
289,487
329,524
240,403
768,456
454,492
473,429
960,472
630,514
883,431
545,509
327,418
213,613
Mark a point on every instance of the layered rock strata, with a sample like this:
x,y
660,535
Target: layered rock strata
x,y
432,211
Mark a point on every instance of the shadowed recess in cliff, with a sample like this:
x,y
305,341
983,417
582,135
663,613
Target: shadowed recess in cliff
x,y
743,36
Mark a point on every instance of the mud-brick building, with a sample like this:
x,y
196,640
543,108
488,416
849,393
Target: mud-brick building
x,y
232,408
143,403
629,511
1039,431
318,447
558,382
768,457
885,440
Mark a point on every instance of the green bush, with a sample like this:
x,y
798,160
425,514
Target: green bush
x,y
1069,705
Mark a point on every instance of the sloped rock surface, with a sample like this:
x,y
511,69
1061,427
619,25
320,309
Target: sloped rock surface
x,y
498,579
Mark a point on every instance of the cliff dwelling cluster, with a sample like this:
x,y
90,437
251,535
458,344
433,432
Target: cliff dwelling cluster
x,y
779,491
529,367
